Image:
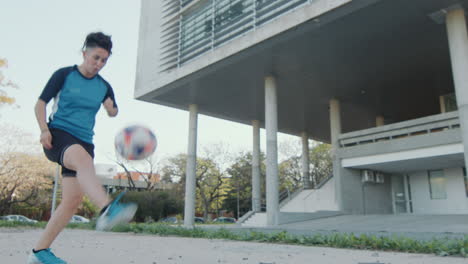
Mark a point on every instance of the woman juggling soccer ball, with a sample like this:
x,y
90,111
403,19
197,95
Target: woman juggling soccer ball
x,y
67,139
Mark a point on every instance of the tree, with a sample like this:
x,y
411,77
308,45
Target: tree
x,y
289,169
149,173
290,173
4,84
209,181
146,169
174,172
23,177
321,162
239,192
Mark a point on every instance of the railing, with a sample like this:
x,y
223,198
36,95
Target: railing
x,y
416,127
207,24
323,181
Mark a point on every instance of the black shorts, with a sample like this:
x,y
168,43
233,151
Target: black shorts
x,y
61,140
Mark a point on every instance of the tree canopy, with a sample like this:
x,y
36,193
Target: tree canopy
x,y
5,85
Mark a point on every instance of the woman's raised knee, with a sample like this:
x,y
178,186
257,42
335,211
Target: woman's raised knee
x,y
76,156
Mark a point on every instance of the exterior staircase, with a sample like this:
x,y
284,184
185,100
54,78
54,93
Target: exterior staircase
x,y
301,205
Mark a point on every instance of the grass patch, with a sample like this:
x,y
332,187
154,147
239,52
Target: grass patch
x,y
13,224
21,224
440,247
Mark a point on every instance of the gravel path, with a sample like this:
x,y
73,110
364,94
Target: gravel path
x,y
90,247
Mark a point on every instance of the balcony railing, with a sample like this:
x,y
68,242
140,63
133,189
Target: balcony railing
x,y
207,24
416,127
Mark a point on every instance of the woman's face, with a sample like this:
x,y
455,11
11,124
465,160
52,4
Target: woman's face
x,y
94,59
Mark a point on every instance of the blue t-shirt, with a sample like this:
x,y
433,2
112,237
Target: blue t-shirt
x,y
77,100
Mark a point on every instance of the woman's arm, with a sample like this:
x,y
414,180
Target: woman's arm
x,y
109,106
40,111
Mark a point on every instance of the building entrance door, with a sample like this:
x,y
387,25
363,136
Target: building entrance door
x,y
400,194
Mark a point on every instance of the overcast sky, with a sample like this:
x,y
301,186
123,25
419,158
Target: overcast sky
x,y
38,37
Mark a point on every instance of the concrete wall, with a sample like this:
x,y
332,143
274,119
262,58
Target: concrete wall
x,y
351,190
149,45
364,198
456,202
310,201
378,197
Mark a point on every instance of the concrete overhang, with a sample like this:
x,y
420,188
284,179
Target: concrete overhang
x,y
430,158
386,57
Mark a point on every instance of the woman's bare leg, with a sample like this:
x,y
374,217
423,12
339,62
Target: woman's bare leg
x,y
71,199
76,158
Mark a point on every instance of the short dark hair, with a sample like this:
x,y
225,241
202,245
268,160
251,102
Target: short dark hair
x,y
98,39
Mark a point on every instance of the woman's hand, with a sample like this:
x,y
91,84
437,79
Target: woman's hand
x,y
46,139
109,106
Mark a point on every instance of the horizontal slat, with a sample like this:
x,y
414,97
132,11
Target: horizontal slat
x,y
273,11
170,7
231,36
201,46
195,47
185,2
167,36
238,22
169,55
169,67
172,43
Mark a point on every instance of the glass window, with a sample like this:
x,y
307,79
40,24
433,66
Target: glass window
x,y
450,102
437,185
196,31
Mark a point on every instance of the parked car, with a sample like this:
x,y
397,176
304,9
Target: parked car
x,y
79,219
169,220
224,220
18,218
199,220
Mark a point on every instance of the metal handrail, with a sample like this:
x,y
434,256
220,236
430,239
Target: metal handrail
x,y
323,181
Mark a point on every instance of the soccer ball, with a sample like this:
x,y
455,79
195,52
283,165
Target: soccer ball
x,y
135,142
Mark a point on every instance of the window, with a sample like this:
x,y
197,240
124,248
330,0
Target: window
x,y
450,102
437,185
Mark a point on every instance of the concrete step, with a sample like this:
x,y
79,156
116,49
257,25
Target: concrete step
x,y
256,220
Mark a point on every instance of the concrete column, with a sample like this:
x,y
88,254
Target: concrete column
x,y
379,121
256,188
458,44
442,104
189,210
305,162
335,131
271,125
335,123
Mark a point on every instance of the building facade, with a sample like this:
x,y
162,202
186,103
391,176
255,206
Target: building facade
x,y
383,81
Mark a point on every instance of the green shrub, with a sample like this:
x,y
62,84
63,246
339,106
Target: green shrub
x,y
154,205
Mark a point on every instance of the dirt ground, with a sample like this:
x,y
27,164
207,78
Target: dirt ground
x,y
91,247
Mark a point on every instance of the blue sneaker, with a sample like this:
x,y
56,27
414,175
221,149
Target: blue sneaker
x,y
116,213
44,257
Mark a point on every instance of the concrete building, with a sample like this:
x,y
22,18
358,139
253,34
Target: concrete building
x,y
112,180
384,81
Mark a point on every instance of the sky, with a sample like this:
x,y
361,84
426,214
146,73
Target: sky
x,y
39,37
